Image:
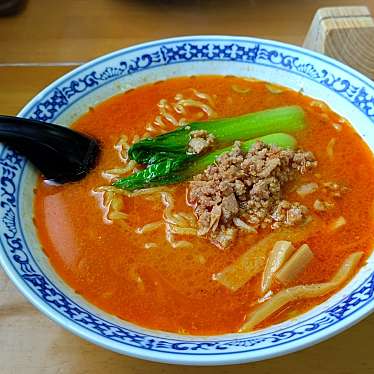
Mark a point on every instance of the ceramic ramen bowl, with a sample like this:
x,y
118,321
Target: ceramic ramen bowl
x,y
346,91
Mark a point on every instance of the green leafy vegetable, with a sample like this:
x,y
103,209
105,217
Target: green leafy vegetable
x,y
226,131
184,166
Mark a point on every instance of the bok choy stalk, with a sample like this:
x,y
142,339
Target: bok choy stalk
x,y
184,166
226,130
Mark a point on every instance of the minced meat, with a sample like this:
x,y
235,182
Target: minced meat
x,y
200,141
249,186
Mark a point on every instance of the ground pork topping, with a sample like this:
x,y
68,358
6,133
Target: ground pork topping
x,y
248,186
200,141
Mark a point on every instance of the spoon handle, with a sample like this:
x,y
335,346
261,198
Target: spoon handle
x,y
61,154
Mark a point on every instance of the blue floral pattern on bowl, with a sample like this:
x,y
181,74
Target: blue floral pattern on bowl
x,y
17,257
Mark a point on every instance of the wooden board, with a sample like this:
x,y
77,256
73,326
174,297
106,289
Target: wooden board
x,y
345,33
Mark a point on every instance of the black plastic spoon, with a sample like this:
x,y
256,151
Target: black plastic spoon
x,y
61,154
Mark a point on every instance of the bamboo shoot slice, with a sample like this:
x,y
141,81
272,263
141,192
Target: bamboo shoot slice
x,y
253,260
295,265
280,253
301,292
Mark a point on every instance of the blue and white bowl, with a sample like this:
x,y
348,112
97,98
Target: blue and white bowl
x,y
347,92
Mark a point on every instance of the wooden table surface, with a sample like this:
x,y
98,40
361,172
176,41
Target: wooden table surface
x,y
51,37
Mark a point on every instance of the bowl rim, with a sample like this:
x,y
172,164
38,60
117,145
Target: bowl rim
x,y
211,359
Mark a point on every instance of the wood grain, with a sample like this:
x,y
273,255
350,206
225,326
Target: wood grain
x,y
78,30
19,84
